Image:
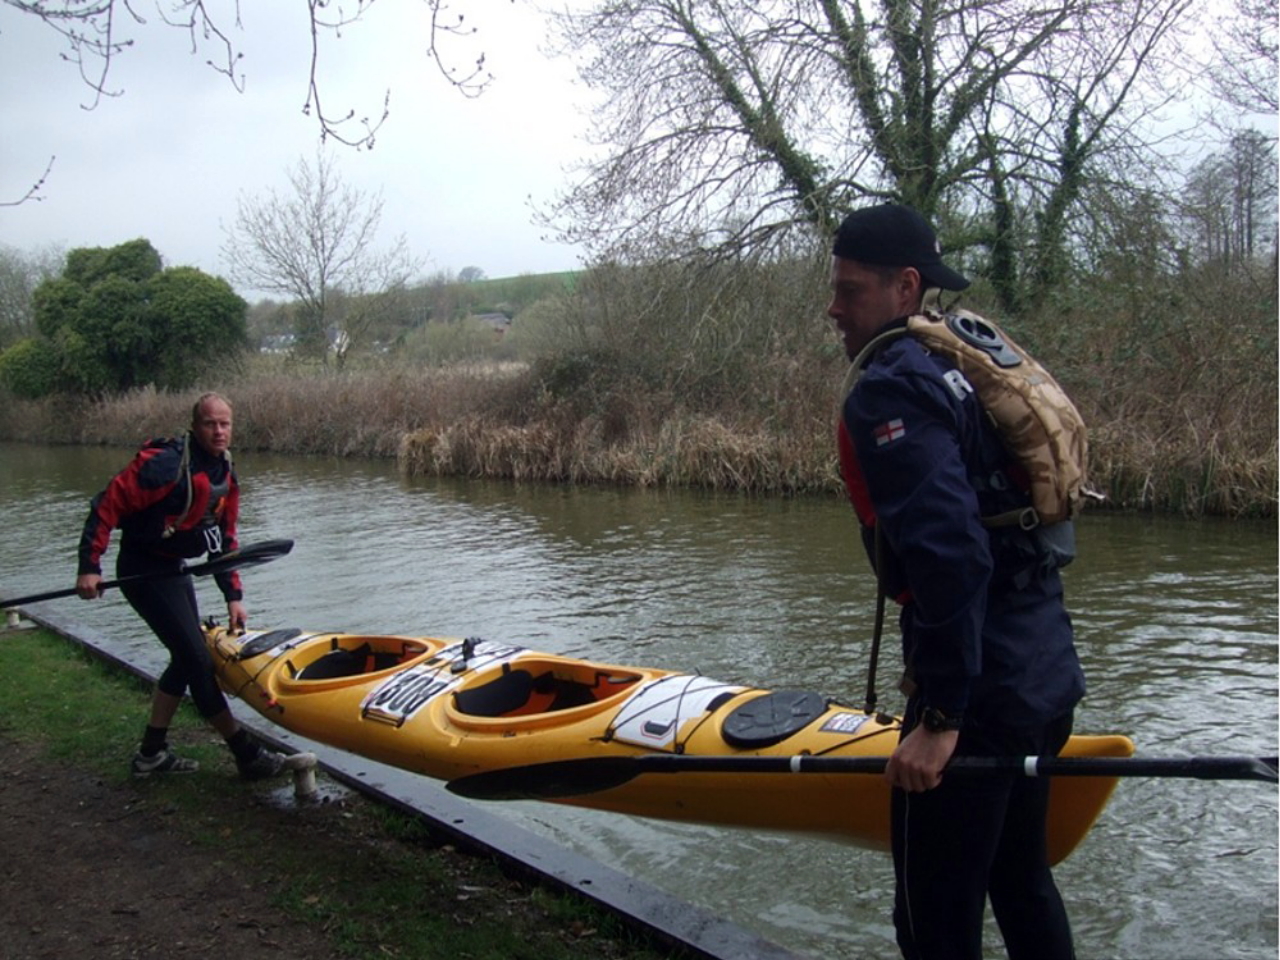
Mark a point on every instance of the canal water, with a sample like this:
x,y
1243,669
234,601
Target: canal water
x,y
1176,622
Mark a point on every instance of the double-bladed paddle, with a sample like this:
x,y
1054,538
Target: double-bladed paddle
x,y
247,556
571,778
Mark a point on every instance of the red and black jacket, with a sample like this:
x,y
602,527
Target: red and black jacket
x,y
173,500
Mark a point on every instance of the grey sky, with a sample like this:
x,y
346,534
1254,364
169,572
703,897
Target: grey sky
x,y
168,159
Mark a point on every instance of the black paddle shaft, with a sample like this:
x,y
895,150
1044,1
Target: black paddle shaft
x,y
246,556
571,778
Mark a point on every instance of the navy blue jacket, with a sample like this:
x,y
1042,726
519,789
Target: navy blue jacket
x,y
984,627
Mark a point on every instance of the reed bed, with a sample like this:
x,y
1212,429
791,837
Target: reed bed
x,y
1191,473
365,413
1172,457
695,451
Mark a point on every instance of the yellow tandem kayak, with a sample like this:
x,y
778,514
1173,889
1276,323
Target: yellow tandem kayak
x,y
449,708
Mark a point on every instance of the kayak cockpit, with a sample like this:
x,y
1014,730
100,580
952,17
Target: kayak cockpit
x,y
352,656
537,691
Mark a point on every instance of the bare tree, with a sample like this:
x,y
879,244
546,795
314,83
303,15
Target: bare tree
x,y
96,32
732,125
1245,73
316,245
1229,205
20,273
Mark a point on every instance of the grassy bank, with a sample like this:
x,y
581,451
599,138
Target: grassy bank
x,y
377,883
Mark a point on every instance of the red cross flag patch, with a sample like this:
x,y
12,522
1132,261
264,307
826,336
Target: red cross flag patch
x,y
889,432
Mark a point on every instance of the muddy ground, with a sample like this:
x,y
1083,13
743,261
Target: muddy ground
x,y
92,871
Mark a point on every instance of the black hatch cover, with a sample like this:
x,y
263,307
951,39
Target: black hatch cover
x,y
772,718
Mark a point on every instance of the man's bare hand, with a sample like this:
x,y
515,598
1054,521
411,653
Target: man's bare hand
x,y
917,763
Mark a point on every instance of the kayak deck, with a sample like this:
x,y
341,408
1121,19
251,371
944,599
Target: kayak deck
x,y
449,708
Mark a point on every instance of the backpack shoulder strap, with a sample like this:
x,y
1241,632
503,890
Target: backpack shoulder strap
x,y
184,476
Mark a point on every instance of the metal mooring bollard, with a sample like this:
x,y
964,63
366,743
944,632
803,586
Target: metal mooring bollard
x,y
303,766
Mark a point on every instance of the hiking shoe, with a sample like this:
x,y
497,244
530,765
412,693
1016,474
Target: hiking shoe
x,y
166,761
266,764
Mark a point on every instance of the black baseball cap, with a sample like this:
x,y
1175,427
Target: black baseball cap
x,y
892,235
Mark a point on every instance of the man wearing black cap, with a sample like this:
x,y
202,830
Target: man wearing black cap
x,y
991,666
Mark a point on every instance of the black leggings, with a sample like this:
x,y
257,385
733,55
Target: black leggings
x,y
168,605
977,837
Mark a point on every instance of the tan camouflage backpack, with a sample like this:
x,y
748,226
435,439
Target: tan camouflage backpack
x,y
1035,417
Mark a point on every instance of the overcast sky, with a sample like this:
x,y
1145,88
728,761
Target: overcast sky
x,y
168,159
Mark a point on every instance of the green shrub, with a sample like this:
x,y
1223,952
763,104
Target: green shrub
x,y
29,369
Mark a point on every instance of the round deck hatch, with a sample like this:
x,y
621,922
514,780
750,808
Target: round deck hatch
x,y
772,718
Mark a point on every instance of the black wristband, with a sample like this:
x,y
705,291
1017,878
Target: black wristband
x,y
935,721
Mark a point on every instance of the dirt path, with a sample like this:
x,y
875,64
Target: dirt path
x,y
92,871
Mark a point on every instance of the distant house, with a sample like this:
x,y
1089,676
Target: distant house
x,y
499,322
278,343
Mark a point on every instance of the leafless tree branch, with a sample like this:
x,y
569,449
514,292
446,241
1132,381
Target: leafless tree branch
x,y
744,123
95,36
33,192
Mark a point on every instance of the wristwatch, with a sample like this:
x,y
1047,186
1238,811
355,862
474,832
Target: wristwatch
x,y
935,721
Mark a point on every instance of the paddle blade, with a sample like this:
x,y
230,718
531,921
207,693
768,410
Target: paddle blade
x,y
249,555
547,781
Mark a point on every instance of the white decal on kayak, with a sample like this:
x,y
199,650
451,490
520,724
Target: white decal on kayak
x,y
406,692
844,723
654,714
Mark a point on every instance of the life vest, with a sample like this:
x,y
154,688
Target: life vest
x,y
217,492
1032,414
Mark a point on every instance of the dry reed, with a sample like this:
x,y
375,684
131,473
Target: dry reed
x,y
473,423
694,452
1161,440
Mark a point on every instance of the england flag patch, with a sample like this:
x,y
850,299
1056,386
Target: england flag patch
x,y
888,432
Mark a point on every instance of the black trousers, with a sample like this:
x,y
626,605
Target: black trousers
x,y
975,837
168,605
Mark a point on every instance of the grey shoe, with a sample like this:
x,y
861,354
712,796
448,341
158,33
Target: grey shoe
x,y
265,765
166,761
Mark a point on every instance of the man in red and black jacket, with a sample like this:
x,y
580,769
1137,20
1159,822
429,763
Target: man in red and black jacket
x,y
177,500
991,665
